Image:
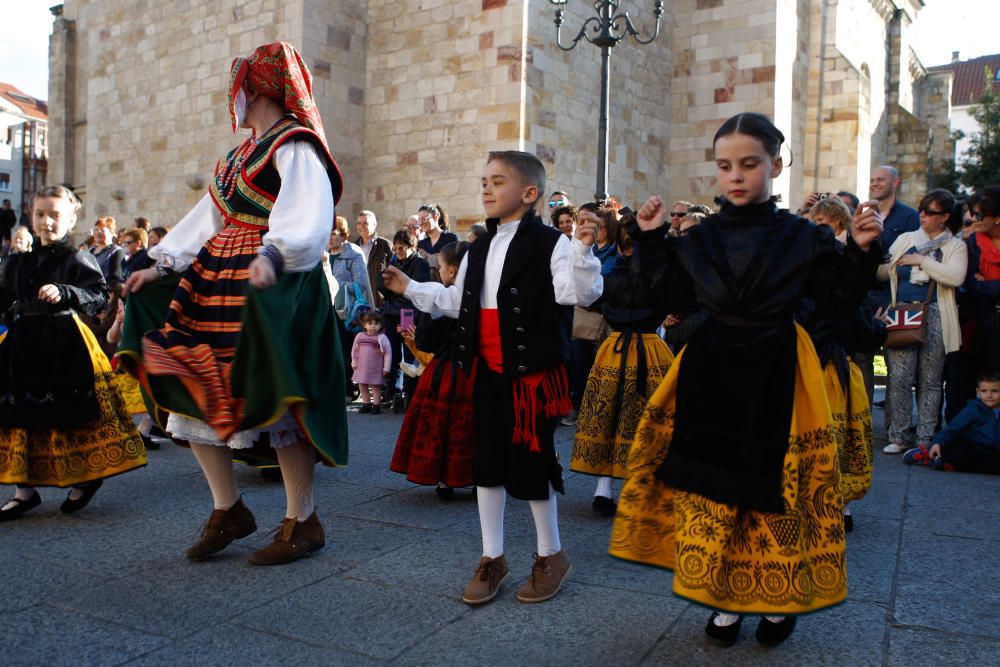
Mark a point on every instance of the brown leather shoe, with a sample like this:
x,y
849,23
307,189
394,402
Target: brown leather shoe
x,y
485,583
223,527
293,541
547,576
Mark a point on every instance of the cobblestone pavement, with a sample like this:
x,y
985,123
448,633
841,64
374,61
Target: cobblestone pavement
x,y
111,585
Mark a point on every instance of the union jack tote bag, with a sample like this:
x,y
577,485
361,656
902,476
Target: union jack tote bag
x,y
906,323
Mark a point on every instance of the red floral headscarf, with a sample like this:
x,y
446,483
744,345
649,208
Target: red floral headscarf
x,y
277,71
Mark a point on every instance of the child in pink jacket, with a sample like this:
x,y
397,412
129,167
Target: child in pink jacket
x,y
371,358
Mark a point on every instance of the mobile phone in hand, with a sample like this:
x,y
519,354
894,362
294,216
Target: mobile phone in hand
x,y
406,318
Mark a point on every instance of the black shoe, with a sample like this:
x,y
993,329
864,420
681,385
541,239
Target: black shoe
x,y
21,507
604,506
848,523
772,634
148,442
397,404
271,474
376,409
365,409
89,489
723,635
445,493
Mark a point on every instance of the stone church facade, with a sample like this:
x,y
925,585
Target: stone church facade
x,y
414,93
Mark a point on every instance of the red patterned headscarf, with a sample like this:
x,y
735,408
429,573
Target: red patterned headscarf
x,y
277,71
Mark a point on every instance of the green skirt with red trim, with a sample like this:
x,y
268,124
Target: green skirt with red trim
x,y
285,356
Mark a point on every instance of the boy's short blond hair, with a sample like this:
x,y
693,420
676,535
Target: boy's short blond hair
x,y
59,192
528,167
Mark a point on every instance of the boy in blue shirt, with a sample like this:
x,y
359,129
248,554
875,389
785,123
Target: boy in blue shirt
x,y
971,441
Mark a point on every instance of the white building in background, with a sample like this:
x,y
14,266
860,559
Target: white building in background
x,y
967,87
24,150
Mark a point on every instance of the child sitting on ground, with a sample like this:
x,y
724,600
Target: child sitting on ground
x,y
971,441
371,356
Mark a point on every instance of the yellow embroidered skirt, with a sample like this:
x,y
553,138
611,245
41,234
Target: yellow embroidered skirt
x,y
852,429
107,446
601,448
130,390
735,560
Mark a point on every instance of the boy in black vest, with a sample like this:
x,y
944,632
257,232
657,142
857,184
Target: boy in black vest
x,y
507,298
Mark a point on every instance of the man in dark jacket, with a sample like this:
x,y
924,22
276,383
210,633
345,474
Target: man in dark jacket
x,y
8,220
377,252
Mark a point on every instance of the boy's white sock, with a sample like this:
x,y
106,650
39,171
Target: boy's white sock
x,y
546,524
603,487
491,500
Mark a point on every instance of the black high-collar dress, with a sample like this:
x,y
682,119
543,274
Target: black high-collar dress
x,y
46,374
749,269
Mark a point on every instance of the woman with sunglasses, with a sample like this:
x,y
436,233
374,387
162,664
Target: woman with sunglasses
x,y
558,200
434,226
982,281
931,253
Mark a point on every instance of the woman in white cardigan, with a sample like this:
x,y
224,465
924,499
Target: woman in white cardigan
x,y
916,258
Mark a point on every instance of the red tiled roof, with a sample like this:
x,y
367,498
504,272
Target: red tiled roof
x,y
970,79
28,105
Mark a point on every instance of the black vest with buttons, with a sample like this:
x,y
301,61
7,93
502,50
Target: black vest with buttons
x,y
528,312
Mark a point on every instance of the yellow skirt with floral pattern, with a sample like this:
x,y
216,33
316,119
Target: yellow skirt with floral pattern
x,y
130,390
852,429
66,457
600,447
737,560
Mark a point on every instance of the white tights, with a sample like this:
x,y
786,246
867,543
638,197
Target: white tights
x,y
297,470
723,619
492,499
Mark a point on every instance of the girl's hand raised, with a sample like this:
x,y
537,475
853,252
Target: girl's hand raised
x,y
867,224
652,214
49,294
586,228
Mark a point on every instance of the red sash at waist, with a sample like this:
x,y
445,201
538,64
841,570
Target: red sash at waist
x,y
489,339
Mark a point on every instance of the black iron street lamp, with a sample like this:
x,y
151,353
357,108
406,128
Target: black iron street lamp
x,y
605,30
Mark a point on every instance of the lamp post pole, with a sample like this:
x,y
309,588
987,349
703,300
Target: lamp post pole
x,y
605,30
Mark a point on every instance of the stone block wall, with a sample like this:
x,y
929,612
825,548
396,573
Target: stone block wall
x,y
563,104
444,86
151,97
847,89
909,153
723,63
934,108
414,93
334,39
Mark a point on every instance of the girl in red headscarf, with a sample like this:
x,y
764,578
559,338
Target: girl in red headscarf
x,y
247,363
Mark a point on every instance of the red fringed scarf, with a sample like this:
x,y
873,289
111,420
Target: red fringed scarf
x,y
544,394
989,258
